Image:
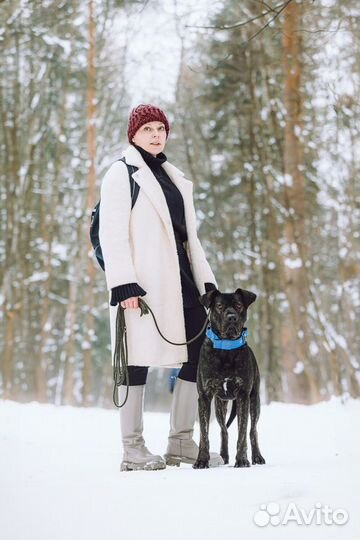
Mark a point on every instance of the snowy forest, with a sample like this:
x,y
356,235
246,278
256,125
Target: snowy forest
x,y
263,101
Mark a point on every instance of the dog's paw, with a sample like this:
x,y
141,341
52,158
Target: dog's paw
x,y
243,462
258,460
201,464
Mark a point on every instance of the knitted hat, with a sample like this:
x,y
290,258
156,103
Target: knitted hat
x,y
142,114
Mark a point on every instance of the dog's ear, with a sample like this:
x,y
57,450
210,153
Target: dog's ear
x,y
208,298
247,297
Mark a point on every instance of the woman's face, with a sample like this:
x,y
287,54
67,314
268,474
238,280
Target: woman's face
x,y
151,137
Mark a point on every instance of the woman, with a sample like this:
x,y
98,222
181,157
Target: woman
x,y
153,250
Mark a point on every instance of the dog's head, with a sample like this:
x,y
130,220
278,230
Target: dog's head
x,y
228,311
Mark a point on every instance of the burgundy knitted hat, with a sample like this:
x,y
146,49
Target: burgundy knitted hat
x,y
142,114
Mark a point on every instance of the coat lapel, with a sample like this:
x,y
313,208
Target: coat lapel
x,y
151,187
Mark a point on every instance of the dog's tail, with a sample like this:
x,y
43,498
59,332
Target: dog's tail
x,y
232,414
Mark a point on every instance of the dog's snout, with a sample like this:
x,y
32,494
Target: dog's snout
x,y
232,317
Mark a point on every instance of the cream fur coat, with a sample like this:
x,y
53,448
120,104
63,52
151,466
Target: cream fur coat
x,y
138,245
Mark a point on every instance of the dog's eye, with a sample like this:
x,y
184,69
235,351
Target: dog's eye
x,y
239,306
219,305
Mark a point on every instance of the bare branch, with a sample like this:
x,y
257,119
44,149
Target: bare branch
x,y
269,21
271,9
144,6
281,7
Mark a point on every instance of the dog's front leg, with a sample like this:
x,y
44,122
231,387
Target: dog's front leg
x,y
254,415
242,409
203,458
220,411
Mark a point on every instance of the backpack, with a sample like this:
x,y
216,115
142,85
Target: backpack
x,y
95,215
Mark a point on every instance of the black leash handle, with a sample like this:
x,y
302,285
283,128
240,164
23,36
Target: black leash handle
x,y
120,363
145,310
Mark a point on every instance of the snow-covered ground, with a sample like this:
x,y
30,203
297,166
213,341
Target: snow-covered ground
x,y
60,479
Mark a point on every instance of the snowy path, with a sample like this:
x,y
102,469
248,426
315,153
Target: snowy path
x,y
60,479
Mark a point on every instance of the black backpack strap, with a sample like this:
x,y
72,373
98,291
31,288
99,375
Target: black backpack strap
x,y
134,187
95,215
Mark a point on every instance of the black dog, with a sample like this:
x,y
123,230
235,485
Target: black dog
x,y
228,371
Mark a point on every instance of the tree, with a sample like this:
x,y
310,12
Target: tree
x,y
247,118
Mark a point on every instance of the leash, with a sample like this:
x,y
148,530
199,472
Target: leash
x,y
120,364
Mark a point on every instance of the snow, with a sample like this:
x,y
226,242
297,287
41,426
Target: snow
x,y
60,250
249,167
36,276
299,368
52,41
314,349
35,101
41,72
60,478
293,263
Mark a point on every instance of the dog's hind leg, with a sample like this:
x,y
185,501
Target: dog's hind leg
x,y
220,411
242,407
256,456
203,458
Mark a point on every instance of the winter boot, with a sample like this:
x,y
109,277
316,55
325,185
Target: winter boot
x,y
181,446
136,456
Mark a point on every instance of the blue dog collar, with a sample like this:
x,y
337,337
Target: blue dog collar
x,y
227,344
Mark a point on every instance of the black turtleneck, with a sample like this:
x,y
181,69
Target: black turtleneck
x,y
172,194
175,204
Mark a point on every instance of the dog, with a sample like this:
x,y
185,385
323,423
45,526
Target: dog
x,y
228,371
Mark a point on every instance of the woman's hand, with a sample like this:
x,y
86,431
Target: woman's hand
x,y
132,302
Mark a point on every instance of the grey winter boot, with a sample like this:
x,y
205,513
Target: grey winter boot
x,y
181,446
136,456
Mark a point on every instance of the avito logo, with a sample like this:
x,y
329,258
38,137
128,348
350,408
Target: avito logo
x,y
320,514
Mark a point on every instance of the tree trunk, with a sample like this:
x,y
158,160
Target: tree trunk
x,y
90,201
301,386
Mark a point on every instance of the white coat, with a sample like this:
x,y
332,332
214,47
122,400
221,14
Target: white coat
x,y
138,246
